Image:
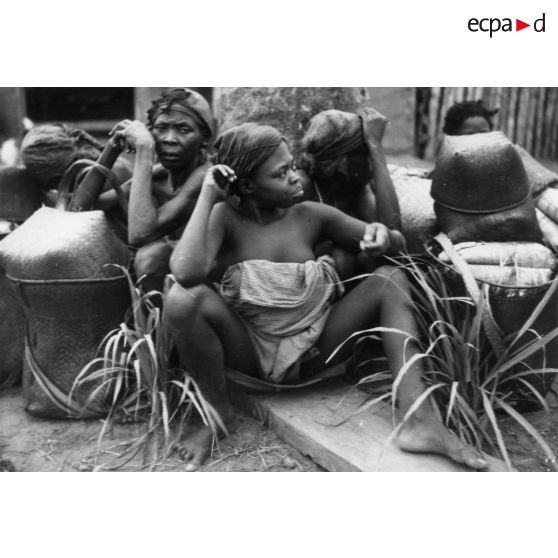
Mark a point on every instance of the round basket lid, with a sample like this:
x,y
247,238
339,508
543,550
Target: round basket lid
x,y
55,244
479,173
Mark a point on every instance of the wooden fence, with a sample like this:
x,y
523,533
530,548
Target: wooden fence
x,y
527,115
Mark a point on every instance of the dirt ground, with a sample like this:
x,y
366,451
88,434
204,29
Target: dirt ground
x,y
31,444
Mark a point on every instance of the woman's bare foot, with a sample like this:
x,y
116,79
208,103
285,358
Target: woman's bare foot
x,y
197,442
426,434
194,448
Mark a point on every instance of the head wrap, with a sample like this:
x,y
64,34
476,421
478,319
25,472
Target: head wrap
x,y
188,102
246,147
332,133
48,150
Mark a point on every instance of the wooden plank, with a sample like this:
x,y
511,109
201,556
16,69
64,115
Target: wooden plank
x,y
317,421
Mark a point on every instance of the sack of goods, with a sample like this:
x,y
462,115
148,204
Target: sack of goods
x,y
481,191
418,219
60,265
515,276
540,178
19,199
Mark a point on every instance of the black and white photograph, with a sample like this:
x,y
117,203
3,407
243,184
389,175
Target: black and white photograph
x,y
279,279
246,239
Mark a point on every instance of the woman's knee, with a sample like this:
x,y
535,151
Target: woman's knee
x,y
152,259
182,305
391,282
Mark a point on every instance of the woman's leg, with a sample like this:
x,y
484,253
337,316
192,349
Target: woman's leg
x,y
383,299
208,336
152,263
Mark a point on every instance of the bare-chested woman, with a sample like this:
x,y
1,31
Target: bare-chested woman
x,y
275,301
179,129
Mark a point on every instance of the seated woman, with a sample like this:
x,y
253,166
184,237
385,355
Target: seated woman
x,y
346,168
276,304
49,150
160,201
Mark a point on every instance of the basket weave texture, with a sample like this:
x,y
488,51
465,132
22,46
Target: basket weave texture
x,y
57,265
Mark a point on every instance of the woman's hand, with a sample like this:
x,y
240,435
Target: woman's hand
x,y
218,180
376,240
373,125
128,135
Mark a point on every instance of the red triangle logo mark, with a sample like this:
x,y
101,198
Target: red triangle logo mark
x,y
519,25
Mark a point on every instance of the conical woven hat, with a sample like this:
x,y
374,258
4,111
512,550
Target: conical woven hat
x,y
55,244
479,173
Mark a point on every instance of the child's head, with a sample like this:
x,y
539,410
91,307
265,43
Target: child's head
x,y
334,145
262,162
468,117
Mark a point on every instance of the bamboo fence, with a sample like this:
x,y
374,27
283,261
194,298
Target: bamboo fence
x,y
527,115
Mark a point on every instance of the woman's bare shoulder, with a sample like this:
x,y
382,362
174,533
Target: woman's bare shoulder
x,y
310,208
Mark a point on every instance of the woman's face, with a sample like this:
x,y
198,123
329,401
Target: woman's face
x,y
473,125
346,174
178,139
276,182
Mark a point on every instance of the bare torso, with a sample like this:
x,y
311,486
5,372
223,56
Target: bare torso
x,y
290,237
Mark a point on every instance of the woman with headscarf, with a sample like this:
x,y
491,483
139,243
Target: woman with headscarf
x,y
178,133
346,168
49,150
277,312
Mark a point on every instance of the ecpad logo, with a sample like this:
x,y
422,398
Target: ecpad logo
x,y
494,24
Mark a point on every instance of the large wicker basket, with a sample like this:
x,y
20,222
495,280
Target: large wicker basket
x,y
58,263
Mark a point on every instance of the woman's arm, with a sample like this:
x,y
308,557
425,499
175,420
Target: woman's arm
x,y
171,215
193,256
352,234
363,205
387,206
90,187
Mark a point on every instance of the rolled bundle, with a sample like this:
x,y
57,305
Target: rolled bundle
x,y
59,265
516,254
416,205
482,192
511,276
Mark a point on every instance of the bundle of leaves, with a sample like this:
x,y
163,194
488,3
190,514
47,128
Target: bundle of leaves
x,y
474,390
134,376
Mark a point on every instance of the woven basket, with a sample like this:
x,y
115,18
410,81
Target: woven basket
x,y
511,307
479,173
66,321
516,224
55,244
57,265
482,191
